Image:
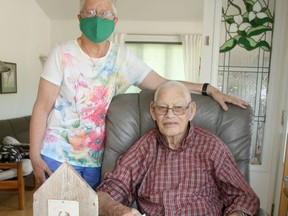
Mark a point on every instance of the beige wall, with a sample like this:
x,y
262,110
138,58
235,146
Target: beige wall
x,y
25,34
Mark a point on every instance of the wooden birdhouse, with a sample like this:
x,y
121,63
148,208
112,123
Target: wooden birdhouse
x,y
65,192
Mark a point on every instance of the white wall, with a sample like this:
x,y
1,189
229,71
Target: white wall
x,y
25,34
64,30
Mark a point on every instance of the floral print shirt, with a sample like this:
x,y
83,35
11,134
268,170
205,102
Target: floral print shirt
x,y
76,125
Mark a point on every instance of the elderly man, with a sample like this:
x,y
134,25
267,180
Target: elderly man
x,y
176,168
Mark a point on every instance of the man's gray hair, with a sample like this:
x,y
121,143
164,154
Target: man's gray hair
x,y
82,2
171,84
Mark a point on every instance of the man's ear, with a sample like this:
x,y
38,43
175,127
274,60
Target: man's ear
x,y
192,108
152,112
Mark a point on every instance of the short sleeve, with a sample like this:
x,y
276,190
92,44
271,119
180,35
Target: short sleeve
x,y
52,70
131,68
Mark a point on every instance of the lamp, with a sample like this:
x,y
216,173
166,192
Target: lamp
x,y
4,68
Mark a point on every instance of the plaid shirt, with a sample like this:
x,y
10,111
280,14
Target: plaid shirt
x,y
202,178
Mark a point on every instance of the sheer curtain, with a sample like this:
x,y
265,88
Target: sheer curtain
x,y
118,37
191,54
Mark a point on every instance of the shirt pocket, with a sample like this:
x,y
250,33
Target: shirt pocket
x,y
199,177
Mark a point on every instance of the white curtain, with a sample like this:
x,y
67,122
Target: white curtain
x,y
118,37
192,54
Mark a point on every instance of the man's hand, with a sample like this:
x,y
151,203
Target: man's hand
x,y
121,210
238,213
109,207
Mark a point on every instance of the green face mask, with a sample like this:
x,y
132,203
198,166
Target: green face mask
x,y
96,28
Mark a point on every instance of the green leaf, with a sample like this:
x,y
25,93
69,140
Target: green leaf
x,y
249,5
242,33
267,11
250,44
264,45
247,43
245,17
64,134
76,124
259,22
228,45
258,30
228,19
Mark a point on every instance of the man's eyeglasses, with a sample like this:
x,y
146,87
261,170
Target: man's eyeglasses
x,y
92,13
177,110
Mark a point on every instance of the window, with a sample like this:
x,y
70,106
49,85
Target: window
x,y
164,58
244,67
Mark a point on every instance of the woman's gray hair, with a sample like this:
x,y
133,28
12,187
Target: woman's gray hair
x,y
82,2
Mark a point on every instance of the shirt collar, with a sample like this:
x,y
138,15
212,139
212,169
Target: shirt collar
x,y
184,145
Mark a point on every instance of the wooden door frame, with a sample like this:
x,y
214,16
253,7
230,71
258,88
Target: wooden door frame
x,y
280,60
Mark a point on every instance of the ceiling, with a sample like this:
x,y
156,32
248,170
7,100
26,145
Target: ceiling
x,y
140,10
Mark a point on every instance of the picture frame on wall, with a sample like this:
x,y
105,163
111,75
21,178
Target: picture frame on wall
x,y
8,80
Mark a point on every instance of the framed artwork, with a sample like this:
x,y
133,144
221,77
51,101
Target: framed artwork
x,y
8,80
